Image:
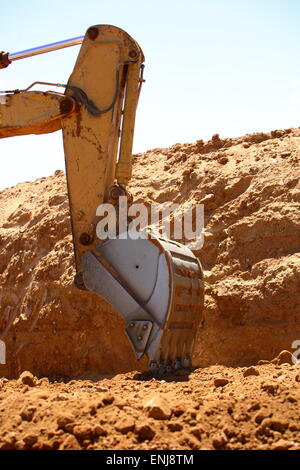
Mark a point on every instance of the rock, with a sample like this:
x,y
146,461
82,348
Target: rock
x,y
198,431
65,421
260,416
27,378
220,381
158,408
282,444
263,362
273,424
189,441
178,410
219,441
108,399
145,432
30,439
285,357
285,154
99,431
83,431
8,442
215,139
70,443
223,160
125,425
277,133
174,426
250,371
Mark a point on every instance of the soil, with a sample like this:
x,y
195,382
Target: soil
x,y
73,342
214,407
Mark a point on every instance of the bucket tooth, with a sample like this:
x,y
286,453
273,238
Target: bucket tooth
x,y
153,368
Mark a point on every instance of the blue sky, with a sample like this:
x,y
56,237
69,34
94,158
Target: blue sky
x,y
212,66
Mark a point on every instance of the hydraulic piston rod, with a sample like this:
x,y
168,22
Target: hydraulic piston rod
x,y
6,58
46,48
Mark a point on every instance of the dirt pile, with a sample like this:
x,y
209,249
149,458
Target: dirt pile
x,y
251,256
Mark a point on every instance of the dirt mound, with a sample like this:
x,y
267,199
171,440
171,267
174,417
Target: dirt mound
x,y
250,190
251,256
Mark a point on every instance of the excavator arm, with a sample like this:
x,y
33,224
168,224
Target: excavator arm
x,y
155,284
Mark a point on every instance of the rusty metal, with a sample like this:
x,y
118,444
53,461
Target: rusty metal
x,y
4,60
79,282
92,33
85,239
33,112
66,105
133,53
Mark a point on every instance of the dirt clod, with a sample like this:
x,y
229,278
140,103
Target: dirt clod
x,y
250,371
145,432
285,357
125,425
220,381
157,408
27,378
70,443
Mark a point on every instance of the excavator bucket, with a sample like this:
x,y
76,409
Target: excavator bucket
x,y
157,287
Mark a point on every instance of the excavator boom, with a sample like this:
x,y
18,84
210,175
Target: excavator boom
x,y
156,285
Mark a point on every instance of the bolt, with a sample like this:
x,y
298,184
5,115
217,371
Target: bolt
x,y
65,105
145,327
133,53
139,338
131,324
92,33
85,239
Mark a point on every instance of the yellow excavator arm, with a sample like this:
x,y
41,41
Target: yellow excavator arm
x,y
155,284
